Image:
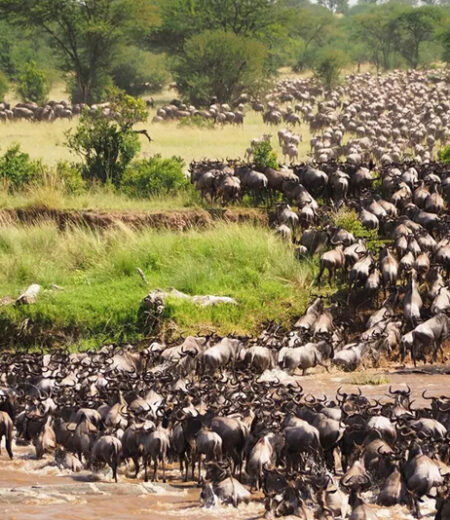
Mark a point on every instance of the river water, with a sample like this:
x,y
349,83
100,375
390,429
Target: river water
x,y
37,490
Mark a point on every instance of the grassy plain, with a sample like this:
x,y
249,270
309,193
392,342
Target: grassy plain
x,y
47,140
101,289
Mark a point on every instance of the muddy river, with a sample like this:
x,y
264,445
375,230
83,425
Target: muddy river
x,y
38,490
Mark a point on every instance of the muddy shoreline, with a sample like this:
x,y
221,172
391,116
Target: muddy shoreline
x,y
177,220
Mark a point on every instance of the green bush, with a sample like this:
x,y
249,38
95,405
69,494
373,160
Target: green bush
x,y
108,145
444,155
33,84
155,176
70,177
265,156
17,169
137,71
4,85
329,65
223,65
348,219
196,121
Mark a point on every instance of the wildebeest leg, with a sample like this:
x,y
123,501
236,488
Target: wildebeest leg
x,y
145,469
8,447
193,466
155,470
136,465
163,462
114,469
320,274
329,459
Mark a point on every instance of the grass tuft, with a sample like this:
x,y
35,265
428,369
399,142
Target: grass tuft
x,y
364,379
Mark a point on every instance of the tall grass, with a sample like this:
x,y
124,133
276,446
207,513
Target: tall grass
x,y
102,289
53,196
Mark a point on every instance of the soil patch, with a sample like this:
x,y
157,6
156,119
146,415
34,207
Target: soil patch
x,y
180,220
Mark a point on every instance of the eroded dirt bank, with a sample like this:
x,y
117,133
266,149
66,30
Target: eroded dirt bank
x,y
36,489
178,220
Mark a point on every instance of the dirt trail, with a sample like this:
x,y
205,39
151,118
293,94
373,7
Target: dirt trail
x,y
37,490
178,220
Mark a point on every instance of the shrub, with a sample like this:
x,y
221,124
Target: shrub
x,y
329,65
196,121
4,85
221,64
33,85
154,176
69,175
265,156
348,219
444,155
107,146
17,169
137,71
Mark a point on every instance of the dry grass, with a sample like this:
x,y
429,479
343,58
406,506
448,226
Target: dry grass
x,y
368,379
47,140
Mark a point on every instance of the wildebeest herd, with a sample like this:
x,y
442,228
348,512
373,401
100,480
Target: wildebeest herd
x,y
233,424
231,410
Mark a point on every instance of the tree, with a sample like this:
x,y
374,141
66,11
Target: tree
x,y
378,30
85,35
137,71
335,6
315,26
415,26
221,64
33,84
108,145
445,37
4,85
330,63
183,19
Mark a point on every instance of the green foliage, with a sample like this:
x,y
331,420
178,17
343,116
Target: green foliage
x,y
102,290
85,35
265,156
444,155
329,65
183,19
69,175
33,84
136,71
17,169
415,26
196,121
348,219
4,85
108,145
445,38
154,177
222,65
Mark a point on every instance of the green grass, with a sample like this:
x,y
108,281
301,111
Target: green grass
x,y
98,198
102,290
47,140
364,379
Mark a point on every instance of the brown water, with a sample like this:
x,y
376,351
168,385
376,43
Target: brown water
x,y
61,495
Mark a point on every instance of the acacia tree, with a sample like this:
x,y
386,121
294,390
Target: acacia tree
x,y
415,26
85,35
378,30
